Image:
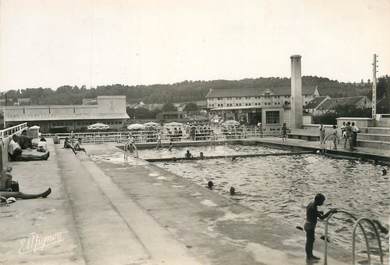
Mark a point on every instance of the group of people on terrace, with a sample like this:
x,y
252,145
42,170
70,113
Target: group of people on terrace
x,y
21,147
349,133
74,144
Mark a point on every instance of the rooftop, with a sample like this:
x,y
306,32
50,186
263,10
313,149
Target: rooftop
x,y
332,103
75,116
236,107
314,103
255,92
107,108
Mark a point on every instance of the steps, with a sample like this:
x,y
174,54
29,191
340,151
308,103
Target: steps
x,y
374,144
378,130
384,122
374,137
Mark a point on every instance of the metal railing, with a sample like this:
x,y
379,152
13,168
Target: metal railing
x,y
12,130
147,136
356,225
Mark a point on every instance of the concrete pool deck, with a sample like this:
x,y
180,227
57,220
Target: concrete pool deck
x,y
379,155
370,153
136,213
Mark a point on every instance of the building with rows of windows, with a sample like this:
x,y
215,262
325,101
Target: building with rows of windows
x,y
110,110
269,106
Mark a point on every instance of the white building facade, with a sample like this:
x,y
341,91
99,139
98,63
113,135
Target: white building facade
x,y
110,110
254,105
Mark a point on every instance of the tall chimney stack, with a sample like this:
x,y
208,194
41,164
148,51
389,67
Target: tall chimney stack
x,y
296,93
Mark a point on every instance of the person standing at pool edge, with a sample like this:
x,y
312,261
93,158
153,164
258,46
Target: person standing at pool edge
x,y
322,135
312,214
284,132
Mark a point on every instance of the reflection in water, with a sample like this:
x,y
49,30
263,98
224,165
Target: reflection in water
x,y
282,186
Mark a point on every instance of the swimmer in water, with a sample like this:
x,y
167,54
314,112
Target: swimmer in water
x,y
384,172
210,185
232,191
188,155
311,221
234,158
201,156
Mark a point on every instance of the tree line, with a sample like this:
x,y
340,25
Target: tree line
x,y
185,91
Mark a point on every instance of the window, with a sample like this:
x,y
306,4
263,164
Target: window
x,y
272,117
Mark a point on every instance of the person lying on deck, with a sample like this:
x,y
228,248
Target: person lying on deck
x,y
24,196
10,188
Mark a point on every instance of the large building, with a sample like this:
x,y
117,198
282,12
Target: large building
x,y
110,110
270,106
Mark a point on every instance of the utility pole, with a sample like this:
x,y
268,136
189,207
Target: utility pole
x,y
374,71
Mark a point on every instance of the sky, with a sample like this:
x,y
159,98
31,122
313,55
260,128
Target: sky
x,y
49,43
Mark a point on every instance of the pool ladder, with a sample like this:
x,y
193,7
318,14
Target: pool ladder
x,y
358,223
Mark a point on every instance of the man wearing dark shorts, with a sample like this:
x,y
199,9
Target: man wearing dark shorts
x,y
312,214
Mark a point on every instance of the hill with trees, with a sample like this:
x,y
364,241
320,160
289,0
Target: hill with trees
x,y
185,91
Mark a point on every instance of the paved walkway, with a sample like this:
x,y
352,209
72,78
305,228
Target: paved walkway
x,y
132,212
40,231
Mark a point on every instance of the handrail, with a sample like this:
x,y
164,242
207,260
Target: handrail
x,y
12,130
151,136
368,250
326,232
357,224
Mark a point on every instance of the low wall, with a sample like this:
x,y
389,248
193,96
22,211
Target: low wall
x,y
315,128
4,142
359,122
5,138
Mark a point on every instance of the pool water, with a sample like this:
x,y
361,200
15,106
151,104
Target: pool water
x,y
215,150
282,186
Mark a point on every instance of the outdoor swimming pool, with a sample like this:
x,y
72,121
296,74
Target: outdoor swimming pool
x,y
281,186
